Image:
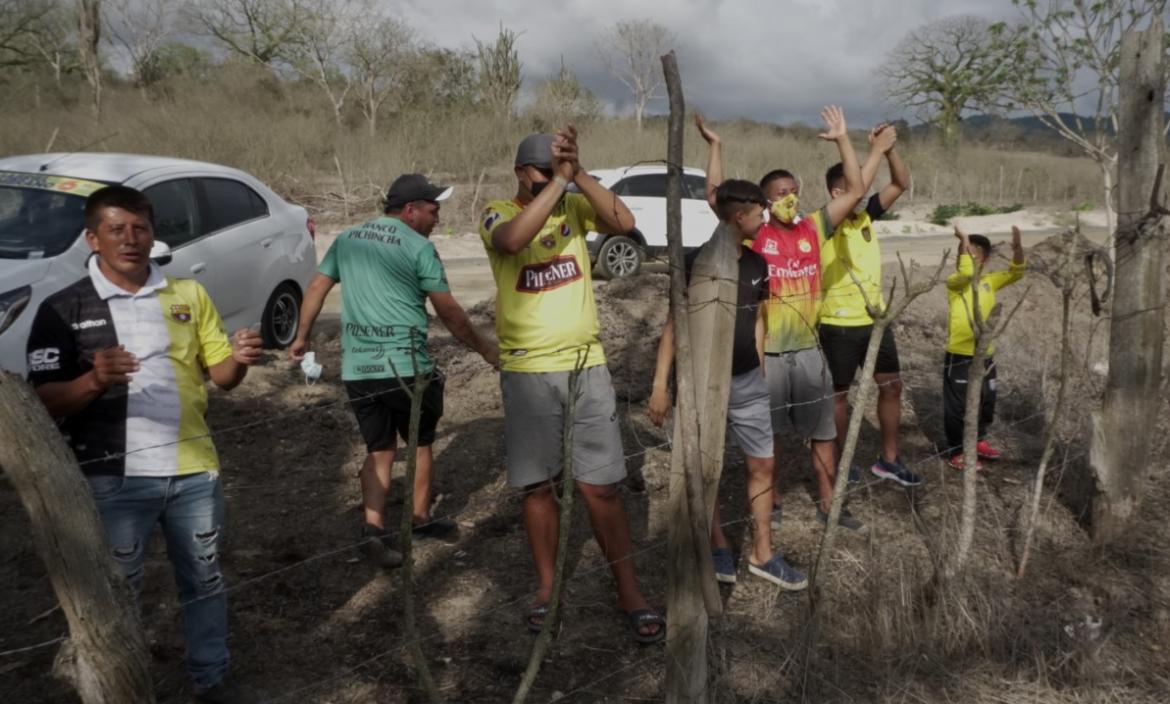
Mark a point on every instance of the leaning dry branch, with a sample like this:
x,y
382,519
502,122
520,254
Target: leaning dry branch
x,y
552,618
882,319
987,330
415,392
1065,279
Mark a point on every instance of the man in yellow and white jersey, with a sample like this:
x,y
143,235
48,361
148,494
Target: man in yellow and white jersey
x,y
546,321
119,359
845,324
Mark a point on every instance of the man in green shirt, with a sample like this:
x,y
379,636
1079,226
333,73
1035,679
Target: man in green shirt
x,y
389,269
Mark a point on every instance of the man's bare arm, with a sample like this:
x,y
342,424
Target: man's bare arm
x,y
456,321
314,299
714,159
837,131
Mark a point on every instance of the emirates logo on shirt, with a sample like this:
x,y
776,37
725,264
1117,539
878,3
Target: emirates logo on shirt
x,y
181,313
547,275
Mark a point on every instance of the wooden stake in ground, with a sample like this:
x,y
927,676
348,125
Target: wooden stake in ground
x,y
1119,457
565,524
882,319
110,660
415,392
704,319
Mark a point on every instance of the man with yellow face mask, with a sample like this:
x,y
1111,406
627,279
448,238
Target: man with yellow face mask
x,y
798,377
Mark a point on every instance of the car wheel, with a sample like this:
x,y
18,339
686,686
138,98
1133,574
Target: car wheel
x,y
282,314
619,257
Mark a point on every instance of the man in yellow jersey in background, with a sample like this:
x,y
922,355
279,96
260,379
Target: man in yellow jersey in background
x,y
961,340
546,321
845,322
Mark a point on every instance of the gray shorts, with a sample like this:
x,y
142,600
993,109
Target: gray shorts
x,y
534,425
801,391
749,419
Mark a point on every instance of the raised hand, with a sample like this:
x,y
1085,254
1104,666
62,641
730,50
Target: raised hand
x,y
883,137
836,128
964,243
708,135
113,365
247,345
566,158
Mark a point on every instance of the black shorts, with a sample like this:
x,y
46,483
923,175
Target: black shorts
x,y
845,350
382,408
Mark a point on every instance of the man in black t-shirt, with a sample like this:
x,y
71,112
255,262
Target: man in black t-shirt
x,y
740,205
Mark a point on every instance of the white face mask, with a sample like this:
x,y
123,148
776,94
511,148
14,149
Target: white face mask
x,y
311,369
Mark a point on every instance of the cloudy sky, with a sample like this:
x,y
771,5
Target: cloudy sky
x,y
778,60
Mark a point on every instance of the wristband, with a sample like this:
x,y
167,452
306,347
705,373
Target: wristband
x,y
561,180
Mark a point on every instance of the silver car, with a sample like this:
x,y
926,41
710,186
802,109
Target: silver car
x,y
252,250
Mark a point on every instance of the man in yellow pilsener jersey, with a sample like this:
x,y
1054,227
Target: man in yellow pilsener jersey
x,y
546,321
845,324
961,339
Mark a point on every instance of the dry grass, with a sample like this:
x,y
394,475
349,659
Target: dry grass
x,y
284,133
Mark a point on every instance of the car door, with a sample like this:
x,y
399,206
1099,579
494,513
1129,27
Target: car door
x,y
645,196
241,235
699,220
177,222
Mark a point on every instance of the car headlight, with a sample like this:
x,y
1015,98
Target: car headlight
x,y
11,304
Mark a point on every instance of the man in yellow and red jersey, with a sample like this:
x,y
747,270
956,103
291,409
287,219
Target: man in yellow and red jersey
x,y
845,322
119,358
546,321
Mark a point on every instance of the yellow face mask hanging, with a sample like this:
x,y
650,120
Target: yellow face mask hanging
x,y
786,208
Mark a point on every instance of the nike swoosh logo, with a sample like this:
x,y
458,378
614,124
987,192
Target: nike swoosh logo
x,y
756,282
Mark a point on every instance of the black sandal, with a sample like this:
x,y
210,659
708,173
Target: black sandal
x,y
641,618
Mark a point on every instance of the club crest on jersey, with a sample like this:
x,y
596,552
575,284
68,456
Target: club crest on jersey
x,y
490,220
866,233
545,276
566,230
804,246
181,312
770,247
549,241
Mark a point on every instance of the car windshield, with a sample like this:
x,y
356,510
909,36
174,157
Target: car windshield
x,y
40,216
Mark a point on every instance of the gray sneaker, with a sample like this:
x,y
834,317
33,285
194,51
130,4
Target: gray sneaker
x,y
376,547
845,520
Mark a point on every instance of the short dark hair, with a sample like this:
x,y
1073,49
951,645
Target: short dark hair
x,y
981,242
735,195
835,176
774,175
124,197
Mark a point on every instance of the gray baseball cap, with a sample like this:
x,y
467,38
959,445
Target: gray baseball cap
x,y
535,150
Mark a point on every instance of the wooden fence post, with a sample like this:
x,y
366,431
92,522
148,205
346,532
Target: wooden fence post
x,y
703,345
1122,429
108,649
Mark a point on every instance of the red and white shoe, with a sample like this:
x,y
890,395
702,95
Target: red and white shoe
x,y
956,461
986,451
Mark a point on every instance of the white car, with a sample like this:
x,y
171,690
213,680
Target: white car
x,y
251,250
643,189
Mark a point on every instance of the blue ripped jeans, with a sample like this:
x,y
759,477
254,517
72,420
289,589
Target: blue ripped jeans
x,y
190,510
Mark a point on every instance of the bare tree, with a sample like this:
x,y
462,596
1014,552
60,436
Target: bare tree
x,y
377,52
319,44
945,68
1064,59
140,28
89,39
630,52
499,72
259,30
19,22
54,37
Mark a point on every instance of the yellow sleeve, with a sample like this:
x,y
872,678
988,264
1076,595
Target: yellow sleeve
x,y
494,215
213,340
582,211
1005,278
961,279
820,218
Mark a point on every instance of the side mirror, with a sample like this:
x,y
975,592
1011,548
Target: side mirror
x,y
160,253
